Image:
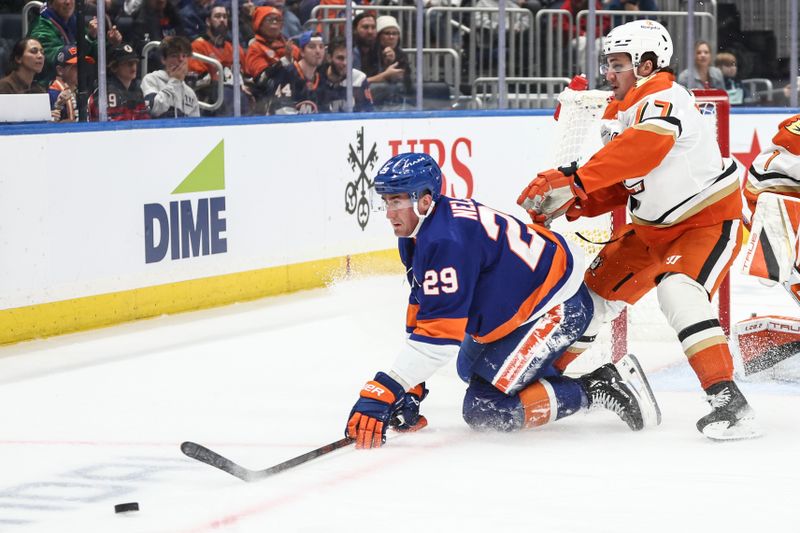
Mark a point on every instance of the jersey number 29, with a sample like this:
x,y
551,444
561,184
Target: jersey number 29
x,y
445,279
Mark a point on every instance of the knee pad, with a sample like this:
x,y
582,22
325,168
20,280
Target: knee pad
x,y
683,301
487,409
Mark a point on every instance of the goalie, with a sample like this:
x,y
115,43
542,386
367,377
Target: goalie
x,y
772,191
661,160
773,196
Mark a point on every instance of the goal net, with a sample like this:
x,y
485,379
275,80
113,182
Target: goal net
x,y
642,328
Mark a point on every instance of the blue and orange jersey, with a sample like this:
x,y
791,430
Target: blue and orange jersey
x,y
477,271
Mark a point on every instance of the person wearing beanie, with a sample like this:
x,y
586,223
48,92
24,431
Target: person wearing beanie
x,y
269,45
393,64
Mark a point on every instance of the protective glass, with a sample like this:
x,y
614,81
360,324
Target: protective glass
x,y
616,68
389,202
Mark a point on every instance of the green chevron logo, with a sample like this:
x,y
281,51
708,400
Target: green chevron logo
x,y
190,227
208,175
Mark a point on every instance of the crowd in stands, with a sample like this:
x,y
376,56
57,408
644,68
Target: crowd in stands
x,y
284,70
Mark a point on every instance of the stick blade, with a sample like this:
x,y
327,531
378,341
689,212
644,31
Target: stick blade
x,y
212,458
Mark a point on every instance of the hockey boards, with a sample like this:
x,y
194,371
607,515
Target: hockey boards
x,y
212,458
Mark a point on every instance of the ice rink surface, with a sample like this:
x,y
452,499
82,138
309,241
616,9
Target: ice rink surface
x,y
94,419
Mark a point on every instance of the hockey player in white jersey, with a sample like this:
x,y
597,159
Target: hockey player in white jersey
x,y
661,160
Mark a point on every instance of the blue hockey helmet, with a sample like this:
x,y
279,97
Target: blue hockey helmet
x,y
410,173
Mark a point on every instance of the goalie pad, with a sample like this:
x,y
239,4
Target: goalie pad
x,y
764,341
772,248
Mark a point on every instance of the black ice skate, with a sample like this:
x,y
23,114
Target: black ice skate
x,y
605,388
731,417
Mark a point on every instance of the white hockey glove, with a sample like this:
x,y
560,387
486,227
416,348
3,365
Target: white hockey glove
x,y
610,129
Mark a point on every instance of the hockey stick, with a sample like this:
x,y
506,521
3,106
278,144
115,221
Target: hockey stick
x,y
210,457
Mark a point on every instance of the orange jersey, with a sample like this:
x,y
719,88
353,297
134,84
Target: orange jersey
x,y
262,54
223,54
668,161
777,167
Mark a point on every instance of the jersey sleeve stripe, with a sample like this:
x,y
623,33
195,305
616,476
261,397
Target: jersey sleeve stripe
x,y
659,126
411,316
441,328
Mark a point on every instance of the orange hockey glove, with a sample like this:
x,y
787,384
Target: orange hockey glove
x,y
551,194
369,418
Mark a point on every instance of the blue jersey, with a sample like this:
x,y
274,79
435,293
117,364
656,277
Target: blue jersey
x,y
477,271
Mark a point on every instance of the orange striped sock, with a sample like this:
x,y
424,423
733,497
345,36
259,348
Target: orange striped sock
x,y
712,364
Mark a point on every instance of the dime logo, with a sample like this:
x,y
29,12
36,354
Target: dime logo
x,y
193,226
355,194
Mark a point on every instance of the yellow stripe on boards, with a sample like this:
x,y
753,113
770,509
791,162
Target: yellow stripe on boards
x,y
78,314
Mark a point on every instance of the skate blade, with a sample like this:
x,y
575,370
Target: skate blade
x,y
746,428
632,373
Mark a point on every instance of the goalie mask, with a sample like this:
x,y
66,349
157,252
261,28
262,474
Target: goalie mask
x,y
638,37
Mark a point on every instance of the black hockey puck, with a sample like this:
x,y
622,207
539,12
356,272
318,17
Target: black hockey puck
x,y
126,507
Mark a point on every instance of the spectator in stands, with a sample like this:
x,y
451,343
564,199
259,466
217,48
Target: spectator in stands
x,y
726,63
193,18
56,27
155,20
165,91
787,93
393,66
291,24
333,77
125,97
26,61
365,41
579,42
292,86
215,43
268,46
704,74
62,91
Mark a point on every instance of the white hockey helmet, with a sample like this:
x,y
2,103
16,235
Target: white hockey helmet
x,y
637,37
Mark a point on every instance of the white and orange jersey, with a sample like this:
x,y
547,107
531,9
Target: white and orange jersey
x,y
777,167
666,157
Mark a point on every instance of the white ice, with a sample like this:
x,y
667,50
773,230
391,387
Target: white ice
x,y
94,419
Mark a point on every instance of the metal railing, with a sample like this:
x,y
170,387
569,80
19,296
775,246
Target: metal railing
x,y
675,22
474,31
553,53
329,19
759,89
523,93
26,10
439,64
152,45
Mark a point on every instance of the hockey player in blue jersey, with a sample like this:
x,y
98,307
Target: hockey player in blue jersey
x,y
505,297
